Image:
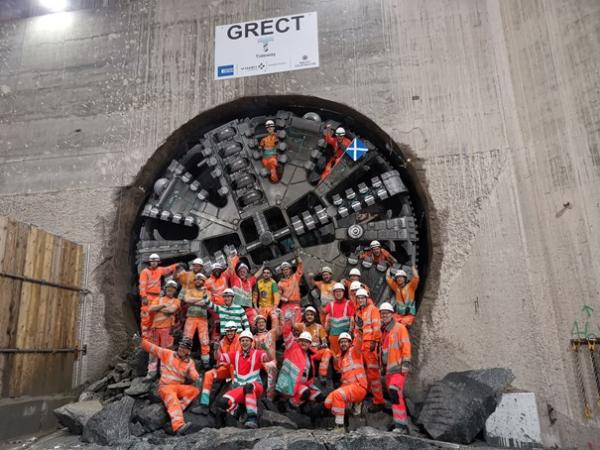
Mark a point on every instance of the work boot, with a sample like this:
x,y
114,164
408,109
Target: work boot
x,y
201,410
184,429
357,409
251,422
400,429
339,429
375,408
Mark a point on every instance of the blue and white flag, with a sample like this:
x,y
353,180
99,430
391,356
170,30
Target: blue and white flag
x,y
357,149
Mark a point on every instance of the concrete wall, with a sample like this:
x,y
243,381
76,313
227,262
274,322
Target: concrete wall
x,y
500,101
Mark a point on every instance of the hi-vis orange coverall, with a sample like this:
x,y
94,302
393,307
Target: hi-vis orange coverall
x,y
173,371
269,156
395,356
354,383
367,332
405,309
197,321
160,331
222,372
339,152
149,290
289,290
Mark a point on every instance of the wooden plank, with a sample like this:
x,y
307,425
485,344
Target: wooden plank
x,y
13,261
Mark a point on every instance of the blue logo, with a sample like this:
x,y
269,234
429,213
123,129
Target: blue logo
x,y
225,71
357,149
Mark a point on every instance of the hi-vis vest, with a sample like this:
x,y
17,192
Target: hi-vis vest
x,y
352,369
254,372
339,325
395,349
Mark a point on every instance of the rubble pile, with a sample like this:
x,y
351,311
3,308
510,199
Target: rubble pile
x,y
124,406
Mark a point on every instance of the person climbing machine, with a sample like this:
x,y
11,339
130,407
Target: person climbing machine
x,y
268,146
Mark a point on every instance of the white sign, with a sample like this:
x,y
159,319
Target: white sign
x,y
265,46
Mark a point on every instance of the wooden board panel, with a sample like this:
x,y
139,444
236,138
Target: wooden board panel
x,y
41,317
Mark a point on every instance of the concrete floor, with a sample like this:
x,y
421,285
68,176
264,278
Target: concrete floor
x,y
500,102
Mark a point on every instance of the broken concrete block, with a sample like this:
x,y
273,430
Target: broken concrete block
x,y
273,419
139,386
74,416
515,422
152,417
111,425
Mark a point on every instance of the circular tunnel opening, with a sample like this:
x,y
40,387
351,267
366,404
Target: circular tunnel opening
x,y
207,191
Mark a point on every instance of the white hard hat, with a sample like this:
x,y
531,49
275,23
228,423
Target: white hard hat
x,y
355,285
305,336
246,334
338,286
218,266
259,316
339,131
354,271
375,244
269,123
154,257
231,325
241,266
228,292
385,306
198,261
326,269
344,336
285,264
362,293
400,273
171,283
310,309
200,275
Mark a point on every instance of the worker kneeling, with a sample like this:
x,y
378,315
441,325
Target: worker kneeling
x,y
247,385
349,364
175,368
297,375
395,356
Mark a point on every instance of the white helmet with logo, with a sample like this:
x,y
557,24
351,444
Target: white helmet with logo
x,y
231,325
400,273
198,261
326,269
354,272
385,306
269,123
217,266
344,336
228,293
171,283
200,275
339,131
355,285
154,257
305,336
246,334
362,293
285,264
338,286
310,309
375,244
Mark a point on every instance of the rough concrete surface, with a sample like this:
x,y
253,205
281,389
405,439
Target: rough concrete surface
x,y
499,101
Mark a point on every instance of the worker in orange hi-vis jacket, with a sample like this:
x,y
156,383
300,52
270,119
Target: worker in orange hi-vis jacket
x,y
176,367
354,287
325,287
150,286
404,306
338,316
376,254
242,283
268,145
229,342
265,339
339,144
216,284
395,358
164,309
349,364
289,288
196,318
367,334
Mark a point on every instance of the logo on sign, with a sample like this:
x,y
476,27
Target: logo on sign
x,y
225,71
265,43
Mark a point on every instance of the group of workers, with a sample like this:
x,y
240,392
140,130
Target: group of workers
x,y
345,340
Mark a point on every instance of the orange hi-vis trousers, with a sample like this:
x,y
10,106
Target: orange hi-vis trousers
x,y
176,398
395,385
200,325
161,337
146,317
239,396
341,397
373,371
323,355
334,344
220,373
270,163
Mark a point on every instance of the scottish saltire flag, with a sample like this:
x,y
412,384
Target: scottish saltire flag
x,y
357,149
